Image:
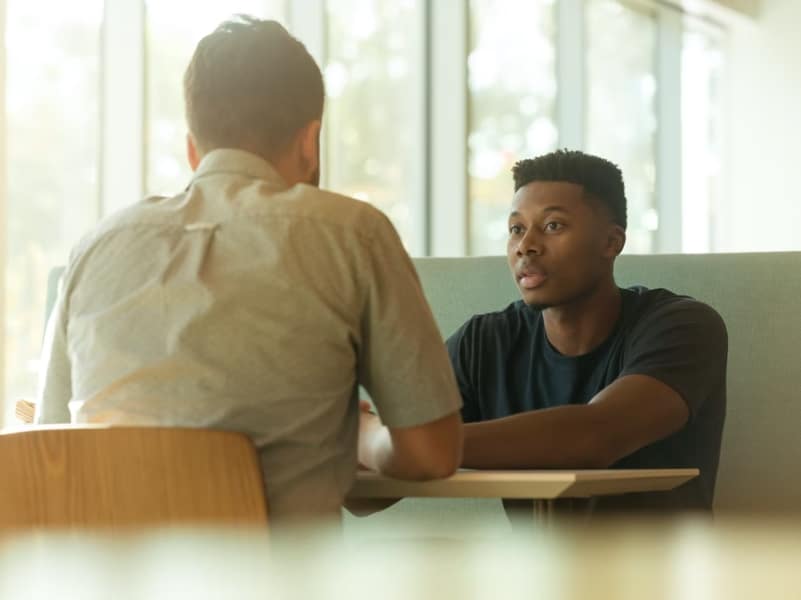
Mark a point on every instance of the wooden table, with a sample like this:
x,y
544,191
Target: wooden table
x,y
543,487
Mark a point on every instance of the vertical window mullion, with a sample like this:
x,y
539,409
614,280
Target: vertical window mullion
x,y
3,213
448,128
571,73
419,242
122,127
668,154
306,21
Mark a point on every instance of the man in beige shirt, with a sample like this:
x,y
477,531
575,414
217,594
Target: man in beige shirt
x,y
255,301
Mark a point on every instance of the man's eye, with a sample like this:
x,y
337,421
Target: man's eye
x,y
515,229
554,226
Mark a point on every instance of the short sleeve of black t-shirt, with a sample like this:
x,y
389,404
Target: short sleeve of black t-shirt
x,y
504,365
682,343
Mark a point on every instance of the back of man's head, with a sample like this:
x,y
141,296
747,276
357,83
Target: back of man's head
x,y
251,85
600,178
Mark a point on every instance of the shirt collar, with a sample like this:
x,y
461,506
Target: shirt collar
x,y
240,162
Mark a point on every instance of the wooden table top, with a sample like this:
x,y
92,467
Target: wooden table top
x,y
543,485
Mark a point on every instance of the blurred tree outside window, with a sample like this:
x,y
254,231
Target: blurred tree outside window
x,y
512,107
374,138
621,107
374,111
52,120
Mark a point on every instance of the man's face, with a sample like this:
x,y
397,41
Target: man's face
x,y
561,243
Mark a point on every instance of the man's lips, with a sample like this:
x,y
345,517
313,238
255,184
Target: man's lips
x,y
529,278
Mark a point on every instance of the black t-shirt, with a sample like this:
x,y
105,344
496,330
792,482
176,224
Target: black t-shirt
x,y
505,365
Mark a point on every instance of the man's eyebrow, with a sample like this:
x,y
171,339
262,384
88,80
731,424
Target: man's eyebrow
x,y
547,209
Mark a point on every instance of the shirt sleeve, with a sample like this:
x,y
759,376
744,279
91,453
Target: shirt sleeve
x,y
461,351
403,363
683,344
55,382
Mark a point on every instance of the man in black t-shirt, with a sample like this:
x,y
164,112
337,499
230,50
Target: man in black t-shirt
x,y
581,373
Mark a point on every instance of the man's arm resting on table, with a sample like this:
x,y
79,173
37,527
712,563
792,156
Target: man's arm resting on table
x,y
429,451
632,412
55,381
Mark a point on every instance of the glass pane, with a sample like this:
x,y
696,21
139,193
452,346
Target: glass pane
x,y
374,81
702,148
621,112
512,94
52,119
174,28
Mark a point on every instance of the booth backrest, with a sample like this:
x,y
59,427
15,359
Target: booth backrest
x,y
759,297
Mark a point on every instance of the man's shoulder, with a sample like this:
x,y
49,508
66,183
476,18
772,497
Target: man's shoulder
x,y
652,299
302,202
659,306
326,206
147,212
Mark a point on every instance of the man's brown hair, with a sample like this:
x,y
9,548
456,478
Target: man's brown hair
x,y
251,85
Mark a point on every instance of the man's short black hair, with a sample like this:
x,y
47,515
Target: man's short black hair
x,y
599,177
251,85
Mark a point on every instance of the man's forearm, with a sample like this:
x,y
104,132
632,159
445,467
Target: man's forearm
x,y
428,451
565,437
378,453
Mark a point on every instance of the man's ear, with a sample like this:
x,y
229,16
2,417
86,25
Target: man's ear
x,y
309,147
192,153
615,241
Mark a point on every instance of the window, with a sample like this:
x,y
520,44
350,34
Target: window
x,y
174,28
621,107
512,95
702,148
52,140
429,104
375,107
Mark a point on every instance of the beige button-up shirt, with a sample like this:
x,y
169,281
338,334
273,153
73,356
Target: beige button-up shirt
x,y
245,305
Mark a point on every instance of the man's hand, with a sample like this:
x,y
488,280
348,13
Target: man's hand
x,y
369,426
429,451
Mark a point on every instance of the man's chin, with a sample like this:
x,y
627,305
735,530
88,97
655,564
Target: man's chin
x,y
539,306
535,301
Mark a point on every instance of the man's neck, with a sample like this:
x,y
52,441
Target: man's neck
x,y
579,327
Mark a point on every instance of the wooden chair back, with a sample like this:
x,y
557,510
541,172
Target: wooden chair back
x,y
99,476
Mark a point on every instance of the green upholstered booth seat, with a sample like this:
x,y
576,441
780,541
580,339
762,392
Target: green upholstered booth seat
x,y
758,296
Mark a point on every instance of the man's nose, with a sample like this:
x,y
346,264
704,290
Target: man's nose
x,y
530,243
